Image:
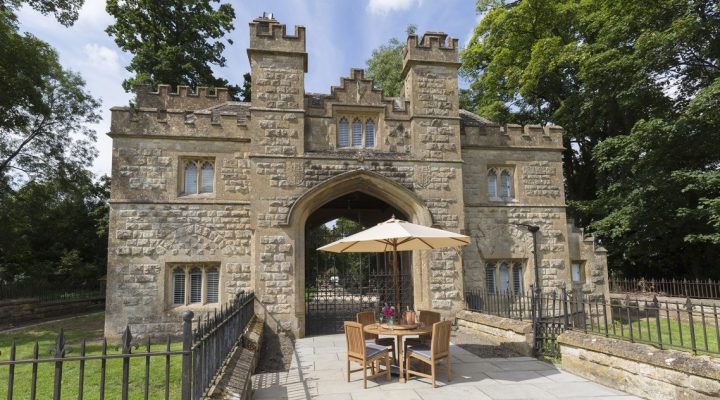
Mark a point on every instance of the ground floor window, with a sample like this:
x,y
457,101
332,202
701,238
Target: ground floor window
x,y
577,271
504,277
194,284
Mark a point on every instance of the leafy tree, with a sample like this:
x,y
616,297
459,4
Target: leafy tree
x,y
55,230
174,43
631,83
65,11
385,65
45,109
245,93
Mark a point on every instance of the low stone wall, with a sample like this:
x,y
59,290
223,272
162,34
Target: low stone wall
x,y
235,381
516,335
28,310
640,369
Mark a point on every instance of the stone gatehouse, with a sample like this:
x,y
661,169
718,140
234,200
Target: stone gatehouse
x,y
212,196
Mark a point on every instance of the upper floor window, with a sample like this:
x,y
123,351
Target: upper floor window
x,y
502,190
357,134
198,176
343,133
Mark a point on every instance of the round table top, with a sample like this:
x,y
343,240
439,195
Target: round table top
x,y
380,330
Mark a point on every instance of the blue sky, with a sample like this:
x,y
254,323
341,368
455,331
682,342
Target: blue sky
x,y
341,34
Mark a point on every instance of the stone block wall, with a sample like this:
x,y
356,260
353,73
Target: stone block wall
x,y
640,369
514,334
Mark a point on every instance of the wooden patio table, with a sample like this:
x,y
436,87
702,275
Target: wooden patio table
x,y
399,333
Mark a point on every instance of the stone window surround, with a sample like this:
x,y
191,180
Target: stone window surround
x,y
199,161
364,118
511,264
583,272
186,267
499,169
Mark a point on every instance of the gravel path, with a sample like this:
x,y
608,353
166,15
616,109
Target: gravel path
x,y
276,352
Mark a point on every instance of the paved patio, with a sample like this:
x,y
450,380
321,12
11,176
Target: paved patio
x,y
318,372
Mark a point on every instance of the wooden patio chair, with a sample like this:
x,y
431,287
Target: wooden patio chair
x,y
428,318
438,350
368,318
364,353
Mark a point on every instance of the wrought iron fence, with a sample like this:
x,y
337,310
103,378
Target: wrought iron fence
x,y
49,292
199,355
699,289
688,325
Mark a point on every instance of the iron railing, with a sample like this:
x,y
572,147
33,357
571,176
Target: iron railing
x,y
698,289
689,325
200,356
49,292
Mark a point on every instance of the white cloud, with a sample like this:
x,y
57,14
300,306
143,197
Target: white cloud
x,y
386,6
101,57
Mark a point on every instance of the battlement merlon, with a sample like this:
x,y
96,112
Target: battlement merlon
x,y
433,48
267,35
183,98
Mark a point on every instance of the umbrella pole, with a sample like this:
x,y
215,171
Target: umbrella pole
x,y
396,280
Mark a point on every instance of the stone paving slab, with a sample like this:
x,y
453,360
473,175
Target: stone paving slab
x,y
317,371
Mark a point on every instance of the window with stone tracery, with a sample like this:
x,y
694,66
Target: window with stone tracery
x,y
504,277
197,176
194,284
502,189
357,134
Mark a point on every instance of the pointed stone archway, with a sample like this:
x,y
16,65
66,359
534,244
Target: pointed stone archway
x,y
372,184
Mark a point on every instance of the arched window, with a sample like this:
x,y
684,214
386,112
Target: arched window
x,y
178,288
357,133
369,133
504,278
492,184
490,278
517,278
212,279
195,285
207,178
343,136
190,178
505,185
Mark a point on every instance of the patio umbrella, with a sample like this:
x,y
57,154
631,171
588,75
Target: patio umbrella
x,y
396,235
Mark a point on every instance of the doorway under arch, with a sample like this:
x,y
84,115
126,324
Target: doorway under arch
x,y
337,286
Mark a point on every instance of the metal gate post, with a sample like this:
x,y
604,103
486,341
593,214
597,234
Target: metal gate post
x,y
187,317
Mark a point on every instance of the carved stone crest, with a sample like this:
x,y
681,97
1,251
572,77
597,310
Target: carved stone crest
x,y
295,170
422,177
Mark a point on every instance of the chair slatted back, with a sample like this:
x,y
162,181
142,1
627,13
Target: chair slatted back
x,y
429,318
440,344
367,318
355,339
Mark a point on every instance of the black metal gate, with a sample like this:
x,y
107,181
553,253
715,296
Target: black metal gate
x,y
337,286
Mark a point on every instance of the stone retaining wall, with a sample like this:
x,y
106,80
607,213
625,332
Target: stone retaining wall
x,y
640,369
235,382
27,310
517,335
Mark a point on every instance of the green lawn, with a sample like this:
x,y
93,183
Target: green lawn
x,y
90,327
641,334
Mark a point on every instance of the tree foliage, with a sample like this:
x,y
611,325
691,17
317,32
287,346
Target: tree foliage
x,y
633,84
385,65
174,43
55,230
44,110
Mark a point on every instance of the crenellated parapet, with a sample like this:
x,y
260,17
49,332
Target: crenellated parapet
x,y
433,48
267,35
479,132
183,98
225,121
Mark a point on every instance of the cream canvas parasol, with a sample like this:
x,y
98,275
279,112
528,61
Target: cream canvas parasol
x,y
396,235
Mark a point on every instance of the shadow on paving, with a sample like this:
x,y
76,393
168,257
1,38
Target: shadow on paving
x,y
276,353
